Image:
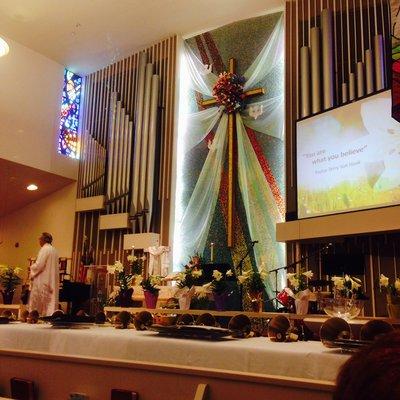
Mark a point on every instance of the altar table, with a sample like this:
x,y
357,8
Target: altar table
x,y
309,360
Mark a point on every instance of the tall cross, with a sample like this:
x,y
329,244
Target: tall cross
x,y
232,152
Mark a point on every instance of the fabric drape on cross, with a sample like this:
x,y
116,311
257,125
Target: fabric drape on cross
x,y
261,208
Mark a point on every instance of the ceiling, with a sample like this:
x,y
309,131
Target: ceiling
x,y
14,178
85,35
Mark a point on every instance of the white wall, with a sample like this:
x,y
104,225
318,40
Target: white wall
x,y
54,213
30,101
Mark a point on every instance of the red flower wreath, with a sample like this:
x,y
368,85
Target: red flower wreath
x,y
228,91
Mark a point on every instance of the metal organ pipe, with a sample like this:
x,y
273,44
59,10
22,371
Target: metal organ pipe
x,y
305,81
315,69
379,62
327,59
138,136
145,139
155,84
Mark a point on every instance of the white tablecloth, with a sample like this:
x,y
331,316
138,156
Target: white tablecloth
x,y
256,355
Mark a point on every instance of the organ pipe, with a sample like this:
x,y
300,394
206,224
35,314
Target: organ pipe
x,y
305,81
315,70
327,58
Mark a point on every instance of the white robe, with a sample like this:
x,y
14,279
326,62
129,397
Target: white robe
x,y
45,281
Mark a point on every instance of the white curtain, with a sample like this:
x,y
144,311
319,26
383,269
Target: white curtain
x,y
262,212
201,78
199,212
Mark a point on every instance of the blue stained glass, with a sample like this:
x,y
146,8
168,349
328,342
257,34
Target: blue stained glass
x,y
68,143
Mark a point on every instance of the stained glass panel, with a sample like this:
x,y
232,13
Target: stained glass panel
x,y
68,143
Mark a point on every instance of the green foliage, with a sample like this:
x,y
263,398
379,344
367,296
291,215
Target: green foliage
x,y
255,283
150,283
9,278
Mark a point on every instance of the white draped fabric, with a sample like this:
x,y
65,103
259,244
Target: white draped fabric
x,y
158,260
198,215
264,116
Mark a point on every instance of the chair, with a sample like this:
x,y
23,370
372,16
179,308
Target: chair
x,y
22,389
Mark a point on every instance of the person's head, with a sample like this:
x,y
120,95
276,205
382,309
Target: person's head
x,y
44,238
372,373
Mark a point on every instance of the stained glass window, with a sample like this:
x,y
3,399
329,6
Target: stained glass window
x,y
68,143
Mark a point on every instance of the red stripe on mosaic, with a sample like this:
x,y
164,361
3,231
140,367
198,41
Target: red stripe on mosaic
x,y
269,176
218,64
202,50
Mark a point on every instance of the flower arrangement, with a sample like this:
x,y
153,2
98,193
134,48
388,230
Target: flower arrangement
x,y
299,280
136,264
10,277
9,280
151,283
124,277
392,289
228,91
122,295
254,279
392,294
217,285
190,274
348,287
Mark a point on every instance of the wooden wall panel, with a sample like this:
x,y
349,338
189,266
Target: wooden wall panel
x,y
353,34
121,77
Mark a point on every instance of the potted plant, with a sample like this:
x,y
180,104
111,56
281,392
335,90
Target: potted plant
x,y
348,298
253,281
392,295
299,289
151,290
186,282
9,280
219,288
122,295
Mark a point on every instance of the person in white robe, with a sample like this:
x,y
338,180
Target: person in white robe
x,y
44,275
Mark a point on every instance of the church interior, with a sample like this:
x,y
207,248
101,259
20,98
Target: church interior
x,y
199,199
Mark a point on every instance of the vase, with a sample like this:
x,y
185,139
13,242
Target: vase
x,y
8,296
184,302
185,296
393,306
150,299
220,300
301,302
256,300
343,307
124,298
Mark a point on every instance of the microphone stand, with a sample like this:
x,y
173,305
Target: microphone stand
x,y
240,267
293,264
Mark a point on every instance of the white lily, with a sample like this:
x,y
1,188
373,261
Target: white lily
x,y
383,281
110,269
308,274
338,282
217,275
229,273
131,258
203,291
397,284
118,266
197,273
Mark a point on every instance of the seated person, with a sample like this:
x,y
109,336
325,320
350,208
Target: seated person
x,y
372,373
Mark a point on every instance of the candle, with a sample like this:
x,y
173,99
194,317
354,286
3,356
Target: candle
x,y
212,252
133,250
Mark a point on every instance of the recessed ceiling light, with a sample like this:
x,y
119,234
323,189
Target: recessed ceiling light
x,y
4,48
32,186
